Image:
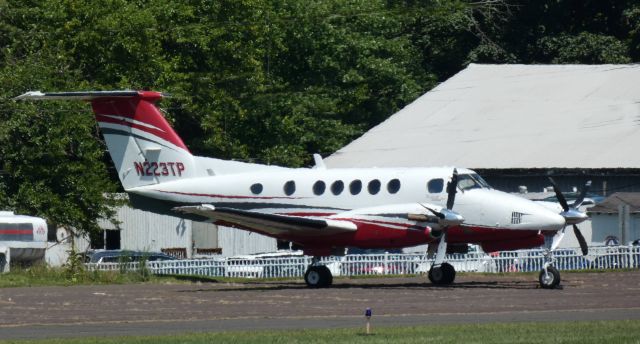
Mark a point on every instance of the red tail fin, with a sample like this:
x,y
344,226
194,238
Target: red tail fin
x,y
138,113
142,144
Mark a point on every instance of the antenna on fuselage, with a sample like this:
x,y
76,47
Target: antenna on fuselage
x,y
319,162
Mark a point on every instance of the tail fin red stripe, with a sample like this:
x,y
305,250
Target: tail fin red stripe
x,y
141,109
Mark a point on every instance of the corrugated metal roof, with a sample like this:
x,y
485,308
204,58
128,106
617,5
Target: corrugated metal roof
x,y
610,204
512,116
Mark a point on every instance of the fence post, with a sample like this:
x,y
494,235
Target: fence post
x,y
386,263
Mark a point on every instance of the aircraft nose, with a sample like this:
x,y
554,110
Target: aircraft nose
x,y
550,221
574,216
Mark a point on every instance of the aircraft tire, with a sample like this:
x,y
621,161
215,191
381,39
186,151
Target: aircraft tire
x,y
327,277
443,275
318,277
551,280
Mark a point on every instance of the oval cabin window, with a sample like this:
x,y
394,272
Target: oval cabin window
x,y
289,188
355,187
337,187
374,186
256,188
319,187
393,186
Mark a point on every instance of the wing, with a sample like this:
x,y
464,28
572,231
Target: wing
x,y
270,224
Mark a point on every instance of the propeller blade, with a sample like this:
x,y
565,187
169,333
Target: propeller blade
x,y
559,195
583,243
436,213
452,188
583,193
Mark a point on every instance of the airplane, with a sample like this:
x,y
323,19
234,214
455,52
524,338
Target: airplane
x,y
321,209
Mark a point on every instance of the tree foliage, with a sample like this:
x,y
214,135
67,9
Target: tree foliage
x,y
270,81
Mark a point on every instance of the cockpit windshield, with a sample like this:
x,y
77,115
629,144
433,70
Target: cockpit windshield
x,y
472,181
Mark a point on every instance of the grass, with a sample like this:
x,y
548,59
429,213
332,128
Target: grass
x,y
609,332
41,275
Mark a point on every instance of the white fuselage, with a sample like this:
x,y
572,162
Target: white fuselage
x,y
300,192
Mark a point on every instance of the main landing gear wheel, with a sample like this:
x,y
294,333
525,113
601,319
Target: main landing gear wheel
x,y
550,278
318,276
442,275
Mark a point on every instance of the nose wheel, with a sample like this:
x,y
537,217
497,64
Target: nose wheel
x,y
549,277
443,274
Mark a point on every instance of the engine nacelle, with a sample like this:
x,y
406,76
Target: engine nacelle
x,y
513,244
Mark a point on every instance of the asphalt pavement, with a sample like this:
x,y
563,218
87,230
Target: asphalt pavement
x,y
156,309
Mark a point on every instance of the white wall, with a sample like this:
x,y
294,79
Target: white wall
x,y
145,231
607,224
141,230
57,253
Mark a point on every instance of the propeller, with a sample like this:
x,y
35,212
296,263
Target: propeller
x,y
580,237
446,216
583,192
452,188
572,215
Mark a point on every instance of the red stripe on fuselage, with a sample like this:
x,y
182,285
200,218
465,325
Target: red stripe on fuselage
x,y
16,231
227,196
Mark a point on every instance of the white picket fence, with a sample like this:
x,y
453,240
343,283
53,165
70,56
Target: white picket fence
x,y
610,257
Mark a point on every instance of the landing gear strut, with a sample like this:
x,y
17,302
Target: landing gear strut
x,y
318,276
549,277
442,273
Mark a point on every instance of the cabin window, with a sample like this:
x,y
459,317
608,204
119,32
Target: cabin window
x,y
289,188
319,187
337,187
435,185
393,186
256,188
374,186
355,187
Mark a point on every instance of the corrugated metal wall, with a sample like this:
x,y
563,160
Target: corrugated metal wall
x,y
146,231
205,235
235,242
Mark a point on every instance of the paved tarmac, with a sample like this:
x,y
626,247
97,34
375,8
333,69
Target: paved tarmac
x,y
156,309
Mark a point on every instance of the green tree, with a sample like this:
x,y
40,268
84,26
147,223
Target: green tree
x,y
558,31
270,81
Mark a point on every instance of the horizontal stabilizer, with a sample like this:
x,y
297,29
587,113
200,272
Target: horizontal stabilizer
x,y
88,95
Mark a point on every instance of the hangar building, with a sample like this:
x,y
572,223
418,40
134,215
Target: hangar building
x,y
514,124
517,124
